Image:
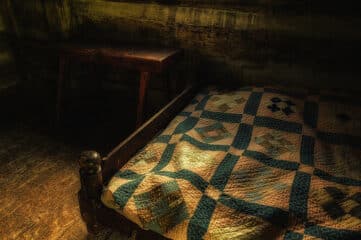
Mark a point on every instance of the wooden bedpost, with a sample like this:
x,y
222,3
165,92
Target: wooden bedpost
x,y
91,186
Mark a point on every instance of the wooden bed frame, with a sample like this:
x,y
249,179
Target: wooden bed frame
x,y
95,171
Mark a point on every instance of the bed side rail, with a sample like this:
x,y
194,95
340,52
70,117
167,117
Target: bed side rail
x,y
139,138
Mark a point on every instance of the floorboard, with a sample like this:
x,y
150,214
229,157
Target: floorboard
x,y
39,172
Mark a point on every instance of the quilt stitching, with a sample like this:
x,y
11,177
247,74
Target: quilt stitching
x,y
161,208
334,204
213,132
275,143
226,102
212,191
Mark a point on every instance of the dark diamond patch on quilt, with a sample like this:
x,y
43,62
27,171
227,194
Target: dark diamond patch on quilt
x,y
357,197
213,132
161,208
356,212
333,209
338,160
335,193
275,144
241,227
339,203
286,106
339,118
146,156
226,102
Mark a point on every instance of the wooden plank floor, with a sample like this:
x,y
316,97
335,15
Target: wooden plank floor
x,y
38,186
39,179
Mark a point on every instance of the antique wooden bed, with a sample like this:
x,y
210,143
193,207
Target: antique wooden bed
x,y
96,171
249,163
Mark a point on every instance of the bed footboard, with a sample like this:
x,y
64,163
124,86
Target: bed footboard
x,y
96,171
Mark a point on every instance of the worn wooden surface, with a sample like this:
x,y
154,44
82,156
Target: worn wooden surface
x,y
39,178
151,59
39,183
38,188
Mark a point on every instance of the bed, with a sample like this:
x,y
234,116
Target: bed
x,y
245,163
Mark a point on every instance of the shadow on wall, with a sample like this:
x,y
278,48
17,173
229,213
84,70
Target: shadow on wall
x,y
299,43
8,76
271,43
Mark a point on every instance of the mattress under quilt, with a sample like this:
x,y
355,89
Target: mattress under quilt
x,y
251,163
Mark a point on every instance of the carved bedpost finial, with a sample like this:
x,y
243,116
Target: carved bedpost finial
x,y
91,187
91,174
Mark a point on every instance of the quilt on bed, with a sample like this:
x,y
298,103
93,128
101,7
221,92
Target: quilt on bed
x,y
252,163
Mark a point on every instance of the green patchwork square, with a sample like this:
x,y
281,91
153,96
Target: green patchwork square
x,y
275,143
161,208
213,132
226,102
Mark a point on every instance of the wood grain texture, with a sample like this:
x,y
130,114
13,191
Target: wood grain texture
x,y
38,184
38,188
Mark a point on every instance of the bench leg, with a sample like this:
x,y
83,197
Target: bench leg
x,y
143,85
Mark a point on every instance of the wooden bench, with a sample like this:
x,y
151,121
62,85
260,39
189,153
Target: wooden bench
x,y
145,60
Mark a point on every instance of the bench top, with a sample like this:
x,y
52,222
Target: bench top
x,y
134,57
142,58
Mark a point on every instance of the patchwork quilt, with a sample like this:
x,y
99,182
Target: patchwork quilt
x,y
251,163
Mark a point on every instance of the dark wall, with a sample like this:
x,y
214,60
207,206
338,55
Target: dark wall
x,y
8,75
312,43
